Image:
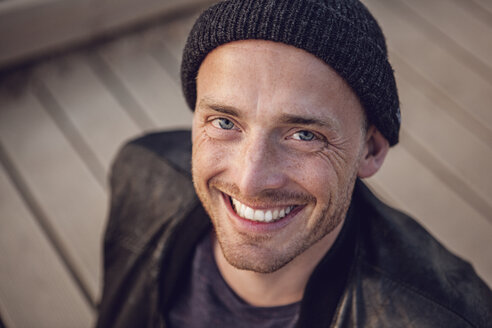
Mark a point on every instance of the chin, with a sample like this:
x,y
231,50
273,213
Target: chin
x,y
250,258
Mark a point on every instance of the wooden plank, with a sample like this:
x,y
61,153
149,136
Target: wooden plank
x,y
438,65
439,98
175,33
35,288
458,149
27,29
74,203
148,83
442,172
92,111
169,50
476,10
456,25
451,220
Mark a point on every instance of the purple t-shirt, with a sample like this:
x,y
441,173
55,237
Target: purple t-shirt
x,y
207,301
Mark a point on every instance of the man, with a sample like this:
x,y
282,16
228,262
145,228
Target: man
x,y
294,102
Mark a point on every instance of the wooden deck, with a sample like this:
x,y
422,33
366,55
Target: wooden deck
x,y
63,119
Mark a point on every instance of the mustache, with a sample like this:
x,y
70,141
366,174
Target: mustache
x,y
264,196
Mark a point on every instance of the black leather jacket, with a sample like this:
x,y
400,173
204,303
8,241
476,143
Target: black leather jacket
x,y
398,274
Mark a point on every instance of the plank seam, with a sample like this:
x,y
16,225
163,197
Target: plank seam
x,y
477,10
70,131
443,173
452,108
466,57
42,220
166,60
120,92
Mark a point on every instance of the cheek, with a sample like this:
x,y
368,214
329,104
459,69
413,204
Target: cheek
x,y
325,176
314,174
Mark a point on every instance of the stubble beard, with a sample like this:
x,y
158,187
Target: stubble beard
x,y
247,253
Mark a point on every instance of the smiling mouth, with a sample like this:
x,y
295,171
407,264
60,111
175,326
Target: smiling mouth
x,y
261,215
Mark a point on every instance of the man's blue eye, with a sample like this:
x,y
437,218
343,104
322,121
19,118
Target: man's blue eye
x,y
303,136
223,123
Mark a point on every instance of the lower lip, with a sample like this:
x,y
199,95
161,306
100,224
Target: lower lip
x,y
256,226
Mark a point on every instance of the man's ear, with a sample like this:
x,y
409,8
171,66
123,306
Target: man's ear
x,y
375,149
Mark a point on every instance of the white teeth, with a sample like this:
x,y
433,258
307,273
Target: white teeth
x,y
249,213
260,215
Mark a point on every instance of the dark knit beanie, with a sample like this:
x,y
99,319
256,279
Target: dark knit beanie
x,y
342,33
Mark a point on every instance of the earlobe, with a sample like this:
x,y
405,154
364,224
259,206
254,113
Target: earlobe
x,y
375,149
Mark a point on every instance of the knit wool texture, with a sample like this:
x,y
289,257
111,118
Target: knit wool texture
x,y
342,33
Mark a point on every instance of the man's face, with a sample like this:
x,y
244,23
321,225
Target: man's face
x,y
277,140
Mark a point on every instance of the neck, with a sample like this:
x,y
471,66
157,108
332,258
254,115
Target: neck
x,y
282,287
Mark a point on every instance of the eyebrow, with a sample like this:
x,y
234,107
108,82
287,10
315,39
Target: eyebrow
x,y
224,109
303,120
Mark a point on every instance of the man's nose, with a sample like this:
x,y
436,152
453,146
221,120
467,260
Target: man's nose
x,y
260,166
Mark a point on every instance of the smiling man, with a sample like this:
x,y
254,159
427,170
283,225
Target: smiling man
x,y
294,102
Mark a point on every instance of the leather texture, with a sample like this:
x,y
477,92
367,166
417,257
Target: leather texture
x,y
399,275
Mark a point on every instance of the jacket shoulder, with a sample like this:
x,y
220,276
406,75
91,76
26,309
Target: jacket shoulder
x,y
151,194
398,249
150,181
171,146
